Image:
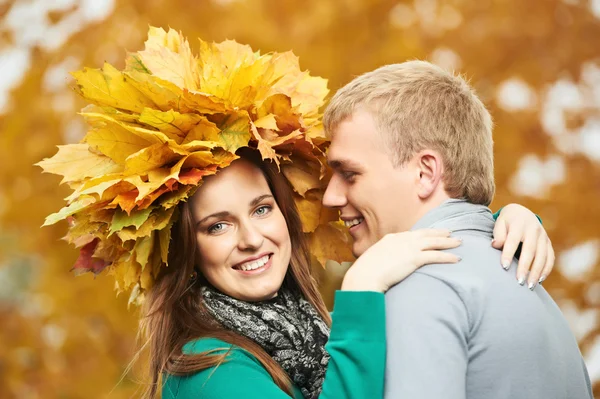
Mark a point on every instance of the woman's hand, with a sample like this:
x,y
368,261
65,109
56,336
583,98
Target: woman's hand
x,y
395,256
517,224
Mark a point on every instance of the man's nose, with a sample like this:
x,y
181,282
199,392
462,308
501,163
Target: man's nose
x,y
335,195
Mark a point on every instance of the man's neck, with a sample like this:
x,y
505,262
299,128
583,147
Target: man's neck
x,y
430,203
458,215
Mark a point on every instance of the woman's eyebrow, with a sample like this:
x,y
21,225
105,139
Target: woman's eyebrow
x,y
224,214
259,199
217,215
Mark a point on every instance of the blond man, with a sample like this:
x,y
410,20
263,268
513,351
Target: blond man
x,y
412,148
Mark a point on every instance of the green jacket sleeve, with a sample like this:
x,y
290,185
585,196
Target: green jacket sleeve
x,y
497,214
355,370
357,347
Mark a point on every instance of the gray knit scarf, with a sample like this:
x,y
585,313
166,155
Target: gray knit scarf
x,y
287,327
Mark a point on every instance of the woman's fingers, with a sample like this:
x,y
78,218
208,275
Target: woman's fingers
x,y
429,243
539,262
513,239
549,263
430,257
421,233
499,234
528,252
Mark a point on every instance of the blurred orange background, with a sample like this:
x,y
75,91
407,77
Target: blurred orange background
x,y
535,63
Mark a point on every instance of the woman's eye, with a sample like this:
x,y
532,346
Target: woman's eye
x,y
263,210
216,228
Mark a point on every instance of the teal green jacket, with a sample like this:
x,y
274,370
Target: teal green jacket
x,y
356,368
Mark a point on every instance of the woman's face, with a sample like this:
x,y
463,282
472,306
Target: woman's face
x,y
243,242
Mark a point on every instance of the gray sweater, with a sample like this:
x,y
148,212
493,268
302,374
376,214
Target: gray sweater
x,y
471,331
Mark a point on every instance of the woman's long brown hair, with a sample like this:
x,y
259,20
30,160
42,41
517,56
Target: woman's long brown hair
x,y
174,312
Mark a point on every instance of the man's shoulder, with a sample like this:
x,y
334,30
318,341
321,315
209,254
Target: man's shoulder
x,y
478,267
469,281
434,280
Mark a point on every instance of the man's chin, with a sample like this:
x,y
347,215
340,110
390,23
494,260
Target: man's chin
x,y
358,248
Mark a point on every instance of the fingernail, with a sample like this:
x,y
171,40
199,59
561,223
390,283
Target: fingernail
x,y
531,286
542,279
459,258
505,264
493,242
521,280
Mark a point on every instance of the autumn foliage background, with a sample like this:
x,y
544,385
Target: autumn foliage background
x,y
536,64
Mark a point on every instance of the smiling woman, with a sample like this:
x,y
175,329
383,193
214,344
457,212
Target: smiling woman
x,y
243,242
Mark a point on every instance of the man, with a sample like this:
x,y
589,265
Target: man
x,y
412,148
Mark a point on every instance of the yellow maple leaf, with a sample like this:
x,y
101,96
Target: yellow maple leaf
x,y
75,162
149,158
98,189
266,122
280,106
204,130
142,250
126,273
310,210
172,123
331,242
218,63
304,174
74,207
158,219
168,56
235,132
116,142
164,94
108,87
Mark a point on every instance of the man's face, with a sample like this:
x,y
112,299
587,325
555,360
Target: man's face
x,y
374,197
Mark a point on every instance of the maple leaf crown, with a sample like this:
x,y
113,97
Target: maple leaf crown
x,y
160,126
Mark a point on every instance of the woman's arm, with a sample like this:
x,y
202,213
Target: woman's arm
x,y
356,346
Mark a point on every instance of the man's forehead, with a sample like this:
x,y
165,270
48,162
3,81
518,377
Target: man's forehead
x,y
341,157
348,144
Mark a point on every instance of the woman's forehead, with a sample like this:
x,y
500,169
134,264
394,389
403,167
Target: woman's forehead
x,y
241,181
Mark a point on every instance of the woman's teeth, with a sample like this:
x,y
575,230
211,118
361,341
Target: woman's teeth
x,y
354,222
255,264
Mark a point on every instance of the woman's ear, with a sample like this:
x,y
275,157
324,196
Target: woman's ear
x,y
194,276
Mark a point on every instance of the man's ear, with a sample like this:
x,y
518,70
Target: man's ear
x,y
430,168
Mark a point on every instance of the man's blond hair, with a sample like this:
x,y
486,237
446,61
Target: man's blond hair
x,y
417,105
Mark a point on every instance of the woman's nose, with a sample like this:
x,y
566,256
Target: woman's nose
x,y
250,237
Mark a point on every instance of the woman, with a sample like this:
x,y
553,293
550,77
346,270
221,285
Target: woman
x,y
225,275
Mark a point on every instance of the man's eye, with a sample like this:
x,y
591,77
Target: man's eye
x,y
348,175
263,210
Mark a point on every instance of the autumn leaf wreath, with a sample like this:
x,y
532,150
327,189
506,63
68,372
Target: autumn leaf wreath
x,y
165,122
